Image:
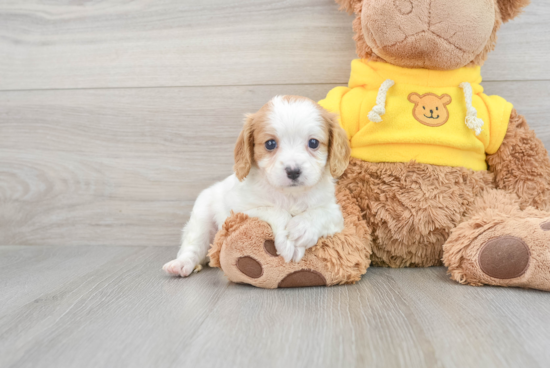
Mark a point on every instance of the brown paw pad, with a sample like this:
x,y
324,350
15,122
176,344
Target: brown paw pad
x,y
505,257
545,226
250,267
303,278
269,246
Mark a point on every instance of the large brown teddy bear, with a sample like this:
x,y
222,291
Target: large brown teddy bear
x,y
440,172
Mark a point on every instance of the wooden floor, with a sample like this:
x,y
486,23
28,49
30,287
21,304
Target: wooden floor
x,y
114,114
112,307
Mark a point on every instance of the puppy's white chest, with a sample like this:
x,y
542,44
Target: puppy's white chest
x,y
298,208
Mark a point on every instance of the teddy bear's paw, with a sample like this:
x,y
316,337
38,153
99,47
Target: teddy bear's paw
x,y
251,256
268,269
515,252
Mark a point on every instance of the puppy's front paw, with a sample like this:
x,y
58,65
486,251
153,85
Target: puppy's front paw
x,y
302,232
180,267
285,248
298,254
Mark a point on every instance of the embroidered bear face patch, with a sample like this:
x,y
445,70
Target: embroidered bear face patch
x,y
430,109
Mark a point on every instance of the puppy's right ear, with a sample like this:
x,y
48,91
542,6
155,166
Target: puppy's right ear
x,y
244,149
338,147
350,5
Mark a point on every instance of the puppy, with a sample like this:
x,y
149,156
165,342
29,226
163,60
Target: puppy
x,y
286,160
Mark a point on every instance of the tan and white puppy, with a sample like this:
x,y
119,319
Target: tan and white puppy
x,y
286,160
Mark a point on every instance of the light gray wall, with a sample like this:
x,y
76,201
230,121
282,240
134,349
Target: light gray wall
x,y
115,114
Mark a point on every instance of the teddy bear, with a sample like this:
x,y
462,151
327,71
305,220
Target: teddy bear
x,y
440,173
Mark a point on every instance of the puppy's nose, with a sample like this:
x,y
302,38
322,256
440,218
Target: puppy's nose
x,y
293,174
431,111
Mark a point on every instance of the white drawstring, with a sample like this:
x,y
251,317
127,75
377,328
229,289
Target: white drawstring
x,y
375,115
472,121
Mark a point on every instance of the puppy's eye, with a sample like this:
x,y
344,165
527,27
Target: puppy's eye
x,y
270,145
424,107
437,108
313,143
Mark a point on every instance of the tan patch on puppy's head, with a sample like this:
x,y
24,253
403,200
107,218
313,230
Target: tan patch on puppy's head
x,y
263,132
247,152
338,148
244,149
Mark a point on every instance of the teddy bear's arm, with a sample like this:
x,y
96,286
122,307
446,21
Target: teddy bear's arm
x,y
521,165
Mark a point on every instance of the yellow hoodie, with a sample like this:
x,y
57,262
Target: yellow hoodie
x,y
394,114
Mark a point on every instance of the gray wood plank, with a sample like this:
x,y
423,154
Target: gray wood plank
x,y
125,312
392,318
506,327
172,43
123,167
523,47
365,325
28,273
530,99
92,44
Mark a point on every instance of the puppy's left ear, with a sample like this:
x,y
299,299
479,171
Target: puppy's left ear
x,y
244,149
338,146
509,9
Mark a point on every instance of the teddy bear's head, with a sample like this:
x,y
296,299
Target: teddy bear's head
x,y
432,34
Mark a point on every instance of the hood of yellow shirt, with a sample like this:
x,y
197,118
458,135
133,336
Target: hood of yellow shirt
x,y
371,74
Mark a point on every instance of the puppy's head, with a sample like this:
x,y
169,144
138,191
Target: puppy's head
x,y
293,141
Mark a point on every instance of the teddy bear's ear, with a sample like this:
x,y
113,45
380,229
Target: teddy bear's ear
x,y
509,9
446,99
414,98
349,5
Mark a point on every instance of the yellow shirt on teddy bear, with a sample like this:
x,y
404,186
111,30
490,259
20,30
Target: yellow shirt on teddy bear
x,y
423,117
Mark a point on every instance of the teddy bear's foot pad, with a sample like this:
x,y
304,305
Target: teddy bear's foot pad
x,y
250,267
303,278
509,252
505,257
269,246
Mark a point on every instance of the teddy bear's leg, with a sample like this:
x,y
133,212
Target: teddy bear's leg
x,y
499,244
522,166
244,249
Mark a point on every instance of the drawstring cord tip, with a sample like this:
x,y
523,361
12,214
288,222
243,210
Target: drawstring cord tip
x,y
375,115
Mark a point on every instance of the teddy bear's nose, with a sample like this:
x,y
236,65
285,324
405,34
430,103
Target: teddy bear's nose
x,y
431,112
